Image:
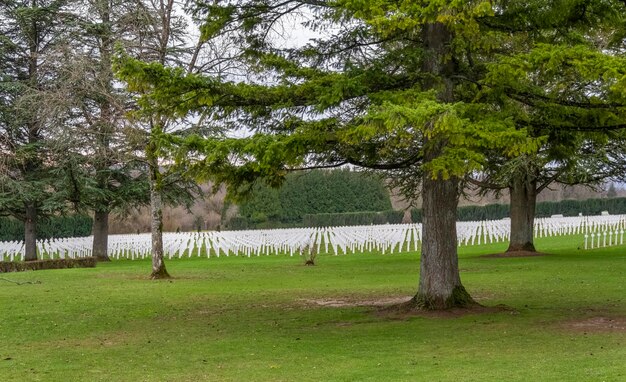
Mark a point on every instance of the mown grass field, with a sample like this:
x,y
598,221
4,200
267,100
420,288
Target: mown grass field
x,y
273,319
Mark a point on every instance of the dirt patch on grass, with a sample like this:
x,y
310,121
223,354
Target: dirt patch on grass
x,y
354,302
515,254
399,307
598,324
406,310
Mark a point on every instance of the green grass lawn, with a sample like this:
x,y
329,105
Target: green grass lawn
x,y
260,319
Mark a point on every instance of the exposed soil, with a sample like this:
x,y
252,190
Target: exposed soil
x,y
405,311
515,254
348,302
398,307
598,324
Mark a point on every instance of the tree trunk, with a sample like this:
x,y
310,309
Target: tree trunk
x,y
104,128
440,283
156,218
30,232
101,235
156,201
523,190
32,163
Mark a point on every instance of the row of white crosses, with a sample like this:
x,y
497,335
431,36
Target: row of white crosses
x,y
244,243
11,250
72,248
598,231
604,231
482,232
380,238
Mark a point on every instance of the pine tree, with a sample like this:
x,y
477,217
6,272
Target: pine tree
x,y
422,90
98,150
33,34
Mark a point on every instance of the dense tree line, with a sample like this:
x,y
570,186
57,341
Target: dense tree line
x,y
496,211
71,136
315,192
81,225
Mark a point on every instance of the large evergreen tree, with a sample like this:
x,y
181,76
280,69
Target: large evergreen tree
x,y
563,87
106,175
33,34
420,89
580,158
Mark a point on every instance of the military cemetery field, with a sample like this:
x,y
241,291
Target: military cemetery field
x,y
270,318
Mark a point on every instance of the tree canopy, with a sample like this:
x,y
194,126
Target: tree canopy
x,y
423,90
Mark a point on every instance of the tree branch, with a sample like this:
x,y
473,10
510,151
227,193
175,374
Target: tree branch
x,y
483,184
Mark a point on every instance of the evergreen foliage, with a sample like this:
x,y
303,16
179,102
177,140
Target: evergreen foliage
x,y
33,180
313,193
423,90
353,218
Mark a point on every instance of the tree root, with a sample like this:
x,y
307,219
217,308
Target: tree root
x,y
459,299
161,274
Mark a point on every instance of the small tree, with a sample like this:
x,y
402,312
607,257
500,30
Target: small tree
x,y
164,43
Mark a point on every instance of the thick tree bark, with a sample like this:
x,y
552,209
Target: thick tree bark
x,y
523,191
440,283
30,232
101,235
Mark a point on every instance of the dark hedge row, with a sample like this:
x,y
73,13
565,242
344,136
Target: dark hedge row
x,y
472,213
615,206
589,207
319,192
353,218
56,226
20,266
468,213
325,220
